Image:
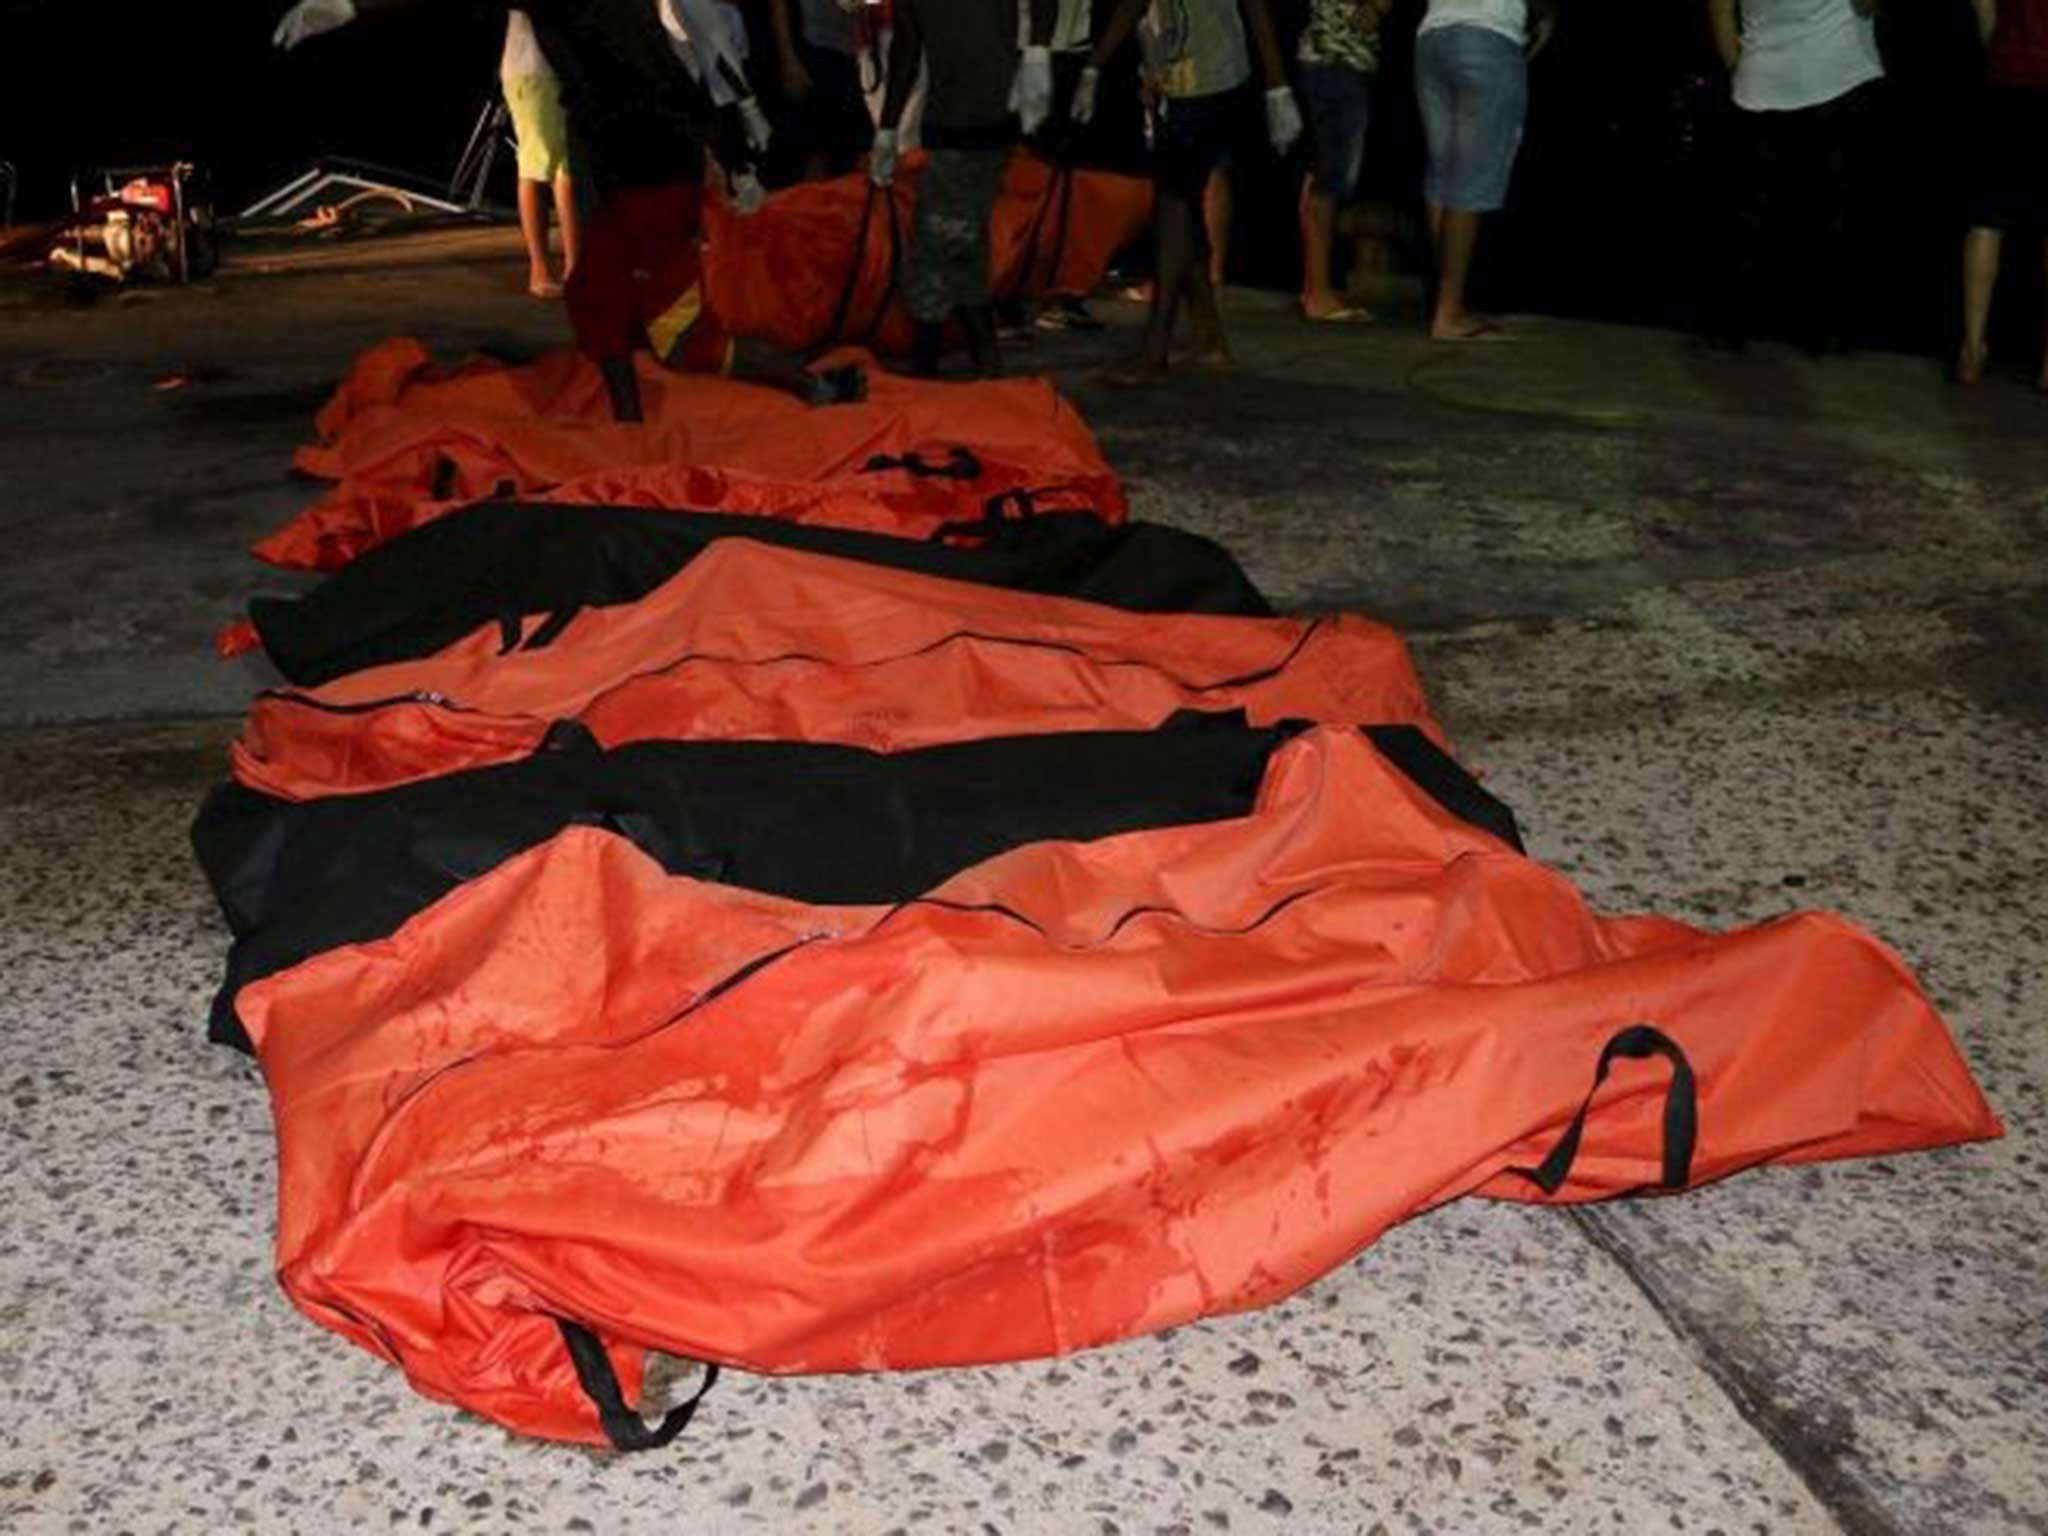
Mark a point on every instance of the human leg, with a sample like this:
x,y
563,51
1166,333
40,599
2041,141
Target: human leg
x,y
1336,96
541,132
949,254
1219,207
1480,98
1434,103
1191,137
1981,251
533,228
568,220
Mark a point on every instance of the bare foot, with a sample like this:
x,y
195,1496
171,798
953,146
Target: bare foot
x,y
543,288
1970,361
1331,310
1467,329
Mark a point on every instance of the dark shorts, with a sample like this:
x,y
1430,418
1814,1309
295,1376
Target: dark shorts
x,y
2010,188
949,242
1195,134
1336,96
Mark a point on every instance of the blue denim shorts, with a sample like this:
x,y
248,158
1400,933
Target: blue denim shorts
x,y
1473,85
1336,96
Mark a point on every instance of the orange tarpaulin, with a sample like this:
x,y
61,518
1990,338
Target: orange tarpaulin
x,y
752,641
821,263
1080,1092
404,441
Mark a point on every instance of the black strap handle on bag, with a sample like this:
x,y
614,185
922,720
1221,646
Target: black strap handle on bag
x,y
836,332
1681,1112
626,1430
958,464
1060,190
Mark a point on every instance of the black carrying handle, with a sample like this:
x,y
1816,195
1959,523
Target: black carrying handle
x,y
511,623
1003,519
1061,189
958,464
1681,1112
626,1430
835,331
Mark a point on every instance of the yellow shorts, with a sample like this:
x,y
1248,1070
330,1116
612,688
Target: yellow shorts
x,y
539,124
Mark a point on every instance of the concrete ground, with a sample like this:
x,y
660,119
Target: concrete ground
x,y
1733,635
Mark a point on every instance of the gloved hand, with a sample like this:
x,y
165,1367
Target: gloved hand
x,y
758,129
1031,89
309,18
1083,109
1283,119
748,195
882,158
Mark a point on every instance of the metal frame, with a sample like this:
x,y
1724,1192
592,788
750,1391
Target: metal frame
x,y
326,175
464,195
472,179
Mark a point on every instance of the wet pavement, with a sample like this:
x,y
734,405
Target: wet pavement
x,y
1733,635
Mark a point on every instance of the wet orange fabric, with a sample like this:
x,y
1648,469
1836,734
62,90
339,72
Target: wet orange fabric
x,y
405,441
757,642
781,274
1080,1092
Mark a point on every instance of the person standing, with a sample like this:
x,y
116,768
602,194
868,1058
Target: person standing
x,y
2010,169
1804,73
817,44
644,122
533,98
1340,55
1472,84
1198,60
1061,141
981,92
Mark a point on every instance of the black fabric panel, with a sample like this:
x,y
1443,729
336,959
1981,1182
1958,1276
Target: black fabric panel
x,y
1438,775
433,585
818,823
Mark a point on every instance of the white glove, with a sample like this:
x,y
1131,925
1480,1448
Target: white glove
x,y
309,18
1283,119
759,130
748,195
1031,89
882,158
1083,109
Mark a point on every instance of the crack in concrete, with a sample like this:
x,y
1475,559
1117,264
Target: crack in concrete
x,y
1812,1455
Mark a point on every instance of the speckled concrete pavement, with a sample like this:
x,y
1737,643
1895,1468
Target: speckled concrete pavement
x,y
1733,635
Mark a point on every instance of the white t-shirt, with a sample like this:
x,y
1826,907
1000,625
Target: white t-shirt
x,y
1510,18
1801,53
523,59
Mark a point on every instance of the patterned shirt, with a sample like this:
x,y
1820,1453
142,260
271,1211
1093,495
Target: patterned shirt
x,y
1338,33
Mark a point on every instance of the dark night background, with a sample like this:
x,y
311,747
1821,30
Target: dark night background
x,y
1618,201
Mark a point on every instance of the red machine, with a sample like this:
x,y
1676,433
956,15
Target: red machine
x,y
148,224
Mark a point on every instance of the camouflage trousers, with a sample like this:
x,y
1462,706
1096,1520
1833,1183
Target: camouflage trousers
x,y
949,246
